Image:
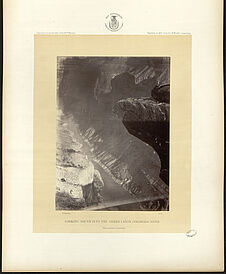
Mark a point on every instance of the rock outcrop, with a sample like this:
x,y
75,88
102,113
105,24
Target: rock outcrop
x,y
148,121
161,93
78,183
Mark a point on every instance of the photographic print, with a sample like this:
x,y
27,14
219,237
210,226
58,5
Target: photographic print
x,y
112,150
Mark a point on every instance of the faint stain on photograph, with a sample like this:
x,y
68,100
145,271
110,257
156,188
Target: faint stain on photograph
x,y
112,150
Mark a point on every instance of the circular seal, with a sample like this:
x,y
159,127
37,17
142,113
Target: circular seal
x,y
113,22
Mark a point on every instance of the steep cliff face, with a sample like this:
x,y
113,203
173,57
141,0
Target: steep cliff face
x,y
112,131
78,183
148,120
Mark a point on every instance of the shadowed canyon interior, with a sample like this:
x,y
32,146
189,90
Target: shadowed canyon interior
x,y
113,133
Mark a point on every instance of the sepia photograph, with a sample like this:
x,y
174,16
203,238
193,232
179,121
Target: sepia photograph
x,y
112,150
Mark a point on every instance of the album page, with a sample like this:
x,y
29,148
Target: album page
x,y
113,136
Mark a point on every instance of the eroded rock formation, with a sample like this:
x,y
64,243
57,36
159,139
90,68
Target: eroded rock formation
x,y
148,120
78,183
